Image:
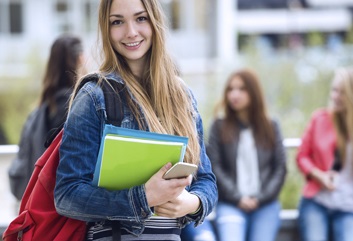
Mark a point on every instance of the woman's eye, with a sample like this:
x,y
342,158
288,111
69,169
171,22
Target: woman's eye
x,y
142,19
116,22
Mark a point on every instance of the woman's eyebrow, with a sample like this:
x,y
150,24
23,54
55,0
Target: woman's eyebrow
x,y
121,16
116,15
139,13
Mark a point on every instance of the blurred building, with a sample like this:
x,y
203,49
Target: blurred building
x,y
28,28
204,33
293,19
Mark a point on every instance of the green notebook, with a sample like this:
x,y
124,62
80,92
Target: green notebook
x,y
128,162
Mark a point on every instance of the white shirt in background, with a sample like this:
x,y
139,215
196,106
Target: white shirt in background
x,y
248,179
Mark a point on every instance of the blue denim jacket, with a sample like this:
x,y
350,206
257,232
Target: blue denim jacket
x,y
74,194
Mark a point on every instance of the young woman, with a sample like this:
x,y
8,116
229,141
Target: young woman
x,y
325,158
64,66
157,100
248,159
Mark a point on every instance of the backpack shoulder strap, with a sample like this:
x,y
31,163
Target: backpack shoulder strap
x,y
113,104
111,90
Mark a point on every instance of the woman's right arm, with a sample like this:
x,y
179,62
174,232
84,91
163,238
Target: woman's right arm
x,y
225,182
75,196
305,161
304,154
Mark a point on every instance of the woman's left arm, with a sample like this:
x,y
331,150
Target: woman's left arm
x,y
273,186
202,194
204,184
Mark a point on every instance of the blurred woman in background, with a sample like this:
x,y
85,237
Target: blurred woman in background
x,y
64,66
248,159
325,158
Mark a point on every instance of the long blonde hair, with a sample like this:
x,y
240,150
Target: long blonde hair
x,y
343,120
163,97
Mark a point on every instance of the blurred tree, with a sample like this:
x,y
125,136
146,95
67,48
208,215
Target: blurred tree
x,y
349,36
315,39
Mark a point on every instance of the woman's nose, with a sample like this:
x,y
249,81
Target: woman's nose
x,y
235,93
131,30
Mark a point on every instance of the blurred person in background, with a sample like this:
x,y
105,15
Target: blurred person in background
x,y
64,66
248,158
325,158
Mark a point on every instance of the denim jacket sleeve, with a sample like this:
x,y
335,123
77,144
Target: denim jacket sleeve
x,y
204,185
74,194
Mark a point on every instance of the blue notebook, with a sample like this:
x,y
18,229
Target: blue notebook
x,y
112,139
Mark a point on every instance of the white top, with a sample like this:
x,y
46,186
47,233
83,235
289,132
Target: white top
x,y
342,197
248,179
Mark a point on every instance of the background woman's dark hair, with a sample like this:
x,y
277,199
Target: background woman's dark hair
x,y
61,71
258,119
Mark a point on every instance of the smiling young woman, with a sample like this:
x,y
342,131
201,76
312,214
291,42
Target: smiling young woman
x,y
155,99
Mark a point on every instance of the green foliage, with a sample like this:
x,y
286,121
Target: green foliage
x,y
19,95
16,105
293,87
349,36
292,187
316,39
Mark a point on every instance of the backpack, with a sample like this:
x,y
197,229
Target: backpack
x,y
33,136
21,168
38,219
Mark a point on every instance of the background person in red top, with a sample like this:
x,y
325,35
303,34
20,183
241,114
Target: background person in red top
x,y
325,157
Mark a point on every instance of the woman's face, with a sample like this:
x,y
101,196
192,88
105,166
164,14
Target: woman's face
x,y
130,30
237,96
336,94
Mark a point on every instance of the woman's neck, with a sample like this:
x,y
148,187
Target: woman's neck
x,y
243,117
137,67
136,71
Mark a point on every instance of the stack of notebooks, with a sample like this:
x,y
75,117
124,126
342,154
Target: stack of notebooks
x,y
129,157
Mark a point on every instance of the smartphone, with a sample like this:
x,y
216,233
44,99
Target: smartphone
x,y
180,170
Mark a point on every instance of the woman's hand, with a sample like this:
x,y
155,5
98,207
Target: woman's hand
x,y
184,204
160,191
325,179
248,204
